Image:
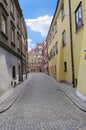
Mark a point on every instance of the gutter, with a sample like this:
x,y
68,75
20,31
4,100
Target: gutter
x,y
71,44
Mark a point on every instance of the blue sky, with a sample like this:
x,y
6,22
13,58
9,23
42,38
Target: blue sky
x,y
38,15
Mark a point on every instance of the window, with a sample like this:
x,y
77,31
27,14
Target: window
x,y
3,24
56,46
12,7
65,66
18,41
62,11
54,50
5,1
55,69
55,28
64,37
18,21
12,35
51,53
52,33
49,56
78,16
14,72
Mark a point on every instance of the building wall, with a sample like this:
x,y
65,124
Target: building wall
x,y
63,54
77,36
35,59
78,40
79,45
7,60
10,45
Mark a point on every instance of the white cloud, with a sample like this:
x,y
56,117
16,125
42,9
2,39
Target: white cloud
x,y
30,44
40,24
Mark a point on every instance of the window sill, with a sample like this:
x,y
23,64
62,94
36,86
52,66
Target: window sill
x,y
79,29
4,35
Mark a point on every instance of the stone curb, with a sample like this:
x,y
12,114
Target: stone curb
x,y
70,92
76,100
16,93
10,100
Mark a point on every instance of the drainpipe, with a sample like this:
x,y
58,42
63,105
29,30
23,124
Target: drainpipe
x,y
21,53
26,55
71,44
26,59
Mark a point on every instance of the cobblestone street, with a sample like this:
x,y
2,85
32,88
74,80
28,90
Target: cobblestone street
x,y
42,106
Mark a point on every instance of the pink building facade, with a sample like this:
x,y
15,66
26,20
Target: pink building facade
x,y
35,59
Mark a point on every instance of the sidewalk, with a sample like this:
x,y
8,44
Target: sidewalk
x,y
70,92
13,96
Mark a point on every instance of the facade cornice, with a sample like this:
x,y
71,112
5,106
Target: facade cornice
x,y
10,49
18,7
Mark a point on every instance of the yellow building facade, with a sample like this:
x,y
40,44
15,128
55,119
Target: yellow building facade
x,y
59,44
78,11
66,44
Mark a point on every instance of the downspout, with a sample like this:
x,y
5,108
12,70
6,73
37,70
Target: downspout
x,y
71,44
21,54
26,58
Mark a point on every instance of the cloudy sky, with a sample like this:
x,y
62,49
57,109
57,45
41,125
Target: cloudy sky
x,y
38,15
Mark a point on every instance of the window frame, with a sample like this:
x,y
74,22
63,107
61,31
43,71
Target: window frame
x,y
65,66
5,24
18,42
64,37
62,12
13,71
55,28
12,35
11,7
56,47
77,16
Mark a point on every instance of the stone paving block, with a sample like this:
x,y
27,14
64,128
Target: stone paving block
x,y
42,106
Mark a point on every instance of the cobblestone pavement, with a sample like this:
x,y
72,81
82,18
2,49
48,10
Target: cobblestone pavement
x,y
43,107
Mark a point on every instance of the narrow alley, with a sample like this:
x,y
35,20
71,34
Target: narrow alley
x,y
43,107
